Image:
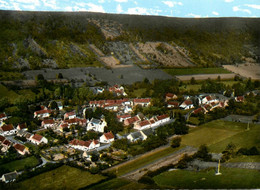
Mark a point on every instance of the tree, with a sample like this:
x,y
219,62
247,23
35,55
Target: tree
x,y
203,153
176,142
120,144
94,157
60,76
54,105
192,80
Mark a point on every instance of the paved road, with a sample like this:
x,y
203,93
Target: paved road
x,y
165,161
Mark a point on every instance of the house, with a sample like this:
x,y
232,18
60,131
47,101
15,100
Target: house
x,y
209,99
80,144
9,177
48,123
70,115
63,126
97,125
146,133
132,120
73,121
42,113
170,96
7,130
173,104
38,139
143,102
187,104
135,136
21,149
127,109
2,139
22,126
122,118
239,99
161,119
6,145
142,125
107,138
118,90
198,110
94,144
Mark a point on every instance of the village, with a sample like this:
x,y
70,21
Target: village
x,y
71,125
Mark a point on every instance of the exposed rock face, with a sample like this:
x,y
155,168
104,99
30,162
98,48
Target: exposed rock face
x,y
49,63
36,48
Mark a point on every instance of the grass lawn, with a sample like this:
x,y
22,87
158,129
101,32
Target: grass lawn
x,y
194,120
28,94
20,164
64,177
230,178
244,158
11,95
144,160
218,134
190,71
111,184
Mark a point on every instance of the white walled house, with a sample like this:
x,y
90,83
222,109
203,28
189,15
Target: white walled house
x,y
70,115
187,104
21,149
38,139
107,138
9,177
48,123
94,144
7,130
142,125
97,125
161,119
135,136
80,144
42,114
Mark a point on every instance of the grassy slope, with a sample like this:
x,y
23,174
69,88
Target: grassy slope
x,y
64,177
20,164
217,134
230,178
144,160
191,71
7,93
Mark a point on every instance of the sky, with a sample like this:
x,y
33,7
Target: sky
x,y
170,8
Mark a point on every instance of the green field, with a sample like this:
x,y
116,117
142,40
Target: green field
x,y
21,164
191,71
64,177
111,184
144,160
230,178
244,158
218,134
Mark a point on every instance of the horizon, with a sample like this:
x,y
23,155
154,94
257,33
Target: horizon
x,y
165,8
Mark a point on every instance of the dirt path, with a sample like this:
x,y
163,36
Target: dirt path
x,y
171,159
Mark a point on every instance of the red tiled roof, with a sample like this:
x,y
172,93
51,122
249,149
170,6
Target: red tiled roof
x,y
198,110
64,125
176,104
19,147
7,142
188,102
132,120
240,98
95,142
22,126
161,117
144,123
109,135
42,112
37,137
2,138
142,100
70,113
80,142
48,121
2,115
208,98
8,127
123,116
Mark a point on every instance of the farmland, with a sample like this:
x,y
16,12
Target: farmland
x,y
193,71
64,177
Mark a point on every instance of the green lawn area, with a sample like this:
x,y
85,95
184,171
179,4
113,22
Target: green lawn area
x,y
111,184
244,158
218,134
21,164
144,160
190,71
64,177
230,178
194,120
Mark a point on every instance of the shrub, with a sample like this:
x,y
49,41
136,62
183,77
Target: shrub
x,y
146,180
176,142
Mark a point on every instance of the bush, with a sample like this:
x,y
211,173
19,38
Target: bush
x,y
176,142
94,170
146,180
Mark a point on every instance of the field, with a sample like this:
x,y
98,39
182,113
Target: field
x,y
21,164
193,71
205,76
230,178
244,158
218,134
64,177
245,70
